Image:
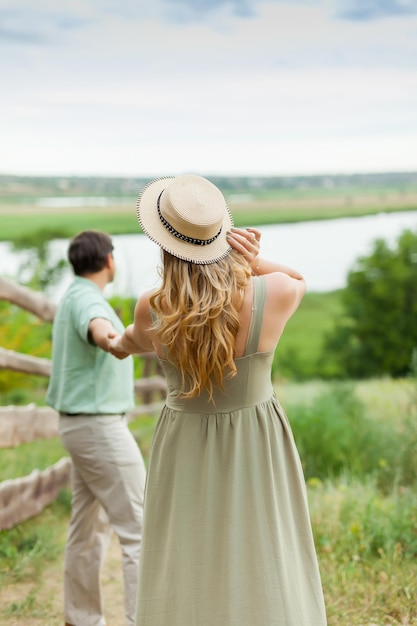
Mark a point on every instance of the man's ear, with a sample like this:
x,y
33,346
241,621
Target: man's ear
x,y
109,259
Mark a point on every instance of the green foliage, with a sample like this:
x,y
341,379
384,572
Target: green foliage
x,y
378,333
335,436
326,432
366,545
40,270
362,523
22,332
124,308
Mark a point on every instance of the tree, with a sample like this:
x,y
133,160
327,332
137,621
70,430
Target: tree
x,y
379,333
39,270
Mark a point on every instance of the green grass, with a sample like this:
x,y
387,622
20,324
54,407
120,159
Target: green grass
x,y
28,548
20,461
366,547
65,224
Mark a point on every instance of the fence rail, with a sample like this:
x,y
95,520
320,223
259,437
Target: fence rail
x,y
22,498
25,497
27,299
25,363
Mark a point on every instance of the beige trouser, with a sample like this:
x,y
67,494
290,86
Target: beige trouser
x,y
108,480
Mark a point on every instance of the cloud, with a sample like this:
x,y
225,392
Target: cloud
x,y
150,86
183,11
170,11
372,9
191,10
23,25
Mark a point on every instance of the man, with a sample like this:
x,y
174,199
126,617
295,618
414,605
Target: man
x,y
92,391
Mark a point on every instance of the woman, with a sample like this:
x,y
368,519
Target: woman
x,y
227,539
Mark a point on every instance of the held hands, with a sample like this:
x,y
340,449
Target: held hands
x,y
114,346
246,242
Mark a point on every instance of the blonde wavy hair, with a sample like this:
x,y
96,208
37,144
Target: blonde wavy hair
x,y
197,318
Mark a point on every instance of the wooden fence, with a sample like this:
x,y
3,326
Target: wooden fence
x,y
22,498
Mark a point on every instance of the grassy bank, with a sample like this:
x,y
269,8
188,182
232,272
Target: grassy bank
x,y
300,352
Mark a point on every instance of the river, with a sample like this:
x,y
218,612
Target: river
x,y
324,251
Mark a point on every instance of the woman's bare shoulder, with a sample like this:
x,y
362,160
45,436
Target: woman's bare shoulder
x,y
143,310
283,291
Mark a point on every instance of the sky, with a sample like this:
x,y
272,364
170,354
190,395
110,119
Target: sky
x,y
224,87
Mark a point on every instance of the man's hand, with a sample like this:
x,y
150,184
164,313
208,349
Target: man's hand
x,y
106,337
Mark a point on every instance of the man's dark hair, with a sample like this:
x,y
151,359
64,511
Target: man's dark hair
x,y
88,251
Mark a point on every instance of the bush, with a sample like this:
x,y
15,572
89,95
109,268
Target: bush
x,y
334,436
354,521
377,334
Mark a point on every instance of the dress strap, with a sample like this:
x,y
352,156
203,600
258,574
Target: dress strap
x,y
152,312
154,318
259,296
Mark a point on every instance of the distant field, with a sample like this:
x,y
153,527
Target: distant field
x,y
20,217
22,221
286,206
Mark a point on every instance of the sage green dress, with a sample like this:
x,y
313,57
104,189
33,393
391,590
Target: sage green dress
x,y
227,539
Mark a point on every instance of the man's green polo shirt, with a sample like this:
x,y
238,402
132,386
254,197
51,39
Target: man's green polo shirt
x,y
84,378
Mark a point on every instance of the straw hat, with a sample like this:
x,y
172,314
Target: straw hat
x,y
187,216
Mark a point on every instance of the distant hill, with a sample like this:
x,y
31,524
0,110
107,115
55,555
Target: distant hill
x,y
16,187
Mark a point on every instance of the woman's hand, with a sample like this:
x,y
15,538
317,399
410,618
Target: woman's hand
x,y
246,242
114,346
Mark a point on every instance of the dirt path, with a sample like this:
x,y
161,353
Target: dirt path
x,y
40,602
